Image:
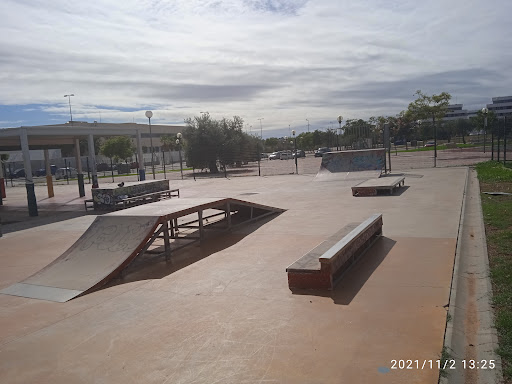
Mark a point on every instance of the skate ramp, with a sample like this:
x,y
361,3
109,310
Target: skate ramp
x,y
108,245
113,241
352,165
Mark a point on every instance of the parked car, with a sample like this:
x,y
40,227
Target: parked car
x,y
320,151
64,173
263,155
17,173
102,167
275,156
299,153
285,155
430,144
42,171
399,142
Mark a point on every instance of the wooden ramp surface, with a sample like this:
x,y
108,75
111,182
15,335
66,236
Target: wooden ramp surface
x,y
110,244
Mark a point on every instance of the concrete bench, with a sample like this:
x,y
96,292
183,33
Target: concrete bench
x,y
146,198
324,266
372,186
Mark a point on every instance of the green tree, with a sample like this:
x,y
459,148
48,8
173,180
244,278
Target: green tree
x,y
209,141
429,107
478,122
117,147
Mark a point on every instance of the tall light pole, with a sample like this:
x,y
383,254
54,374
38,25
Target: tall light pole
x,y
485,111
308,124
178,143
261,127
340,119
69,101
149,115
295,147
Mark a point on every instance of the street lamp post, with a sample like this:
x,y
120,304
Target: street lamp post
x,y
178,143
69,101
340,119
149,115
485,111
295,148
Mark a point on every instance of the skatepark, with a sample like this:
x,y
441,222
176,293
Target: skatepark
x,y
221,310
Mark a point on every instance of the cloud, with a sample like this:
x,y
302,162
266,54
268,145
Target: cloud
x,y
283,60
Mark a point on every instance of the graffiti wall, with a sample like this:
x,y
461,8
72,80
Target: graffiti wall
x,y
354,161
106,198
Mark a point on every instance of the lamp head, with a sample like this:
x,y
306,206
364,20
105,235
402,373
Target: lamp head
x,y
178,135
149,114
340,119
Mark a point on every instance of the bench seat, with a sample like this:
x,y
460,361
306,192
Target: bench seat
x,y
323,266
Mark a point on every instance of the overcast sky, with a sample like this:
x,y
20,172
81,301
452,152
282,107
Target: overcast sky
x,y
281,60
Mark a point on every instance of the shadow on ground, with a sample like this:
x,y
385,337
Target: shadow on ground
x,y
354,278
17,220
156,267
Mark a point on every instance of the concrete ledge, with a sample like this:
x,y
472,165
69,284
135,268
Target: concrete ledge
x,y
317,270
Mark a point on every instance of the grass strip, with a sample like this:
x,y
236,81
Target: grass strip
x,y
497,211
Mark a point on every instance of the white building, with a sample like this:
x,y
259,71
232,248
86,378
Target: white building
x,y
501,106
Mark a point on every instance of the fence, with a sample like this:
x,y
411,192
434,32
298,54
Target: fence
x,y
411,155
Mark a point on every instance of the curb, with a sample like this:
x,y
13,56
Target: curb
x,y
461,305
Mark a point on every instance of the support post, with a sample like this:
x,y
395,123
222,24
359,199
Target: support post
x,y
80,175
499,137
201,229
167,243
435,139
92,160
2,190
505,141
492,141
142,171
49,176
29,182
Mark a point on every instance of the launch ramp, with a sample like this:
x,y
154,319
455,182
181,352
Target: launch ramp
x,y
346,165
114,240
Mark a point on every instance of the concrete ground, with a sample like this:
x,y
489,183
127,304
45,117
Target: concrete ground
x,y
223,312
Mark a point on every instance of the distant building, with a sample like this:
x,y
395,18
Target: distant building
x,y
501,106
454,112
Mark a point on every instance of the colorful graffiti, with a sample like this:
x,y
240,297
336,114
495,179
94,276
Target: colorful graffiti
x,y
106,198
353,161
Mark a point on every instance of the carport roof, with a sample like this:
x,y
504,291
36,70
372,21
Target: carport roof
x,y
50,136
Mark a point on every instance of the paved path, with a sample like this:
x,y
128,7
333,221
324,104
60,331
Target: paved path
x,y
224,313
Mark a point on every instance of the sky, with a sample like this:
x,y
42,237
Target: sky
x,y
282,61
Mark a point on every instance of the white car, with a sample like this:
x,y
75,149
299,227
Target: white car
x,y
61,173
275,156
285,155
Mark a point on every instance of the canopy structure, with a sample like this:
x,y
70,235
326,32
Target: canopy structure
x,y
51,136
